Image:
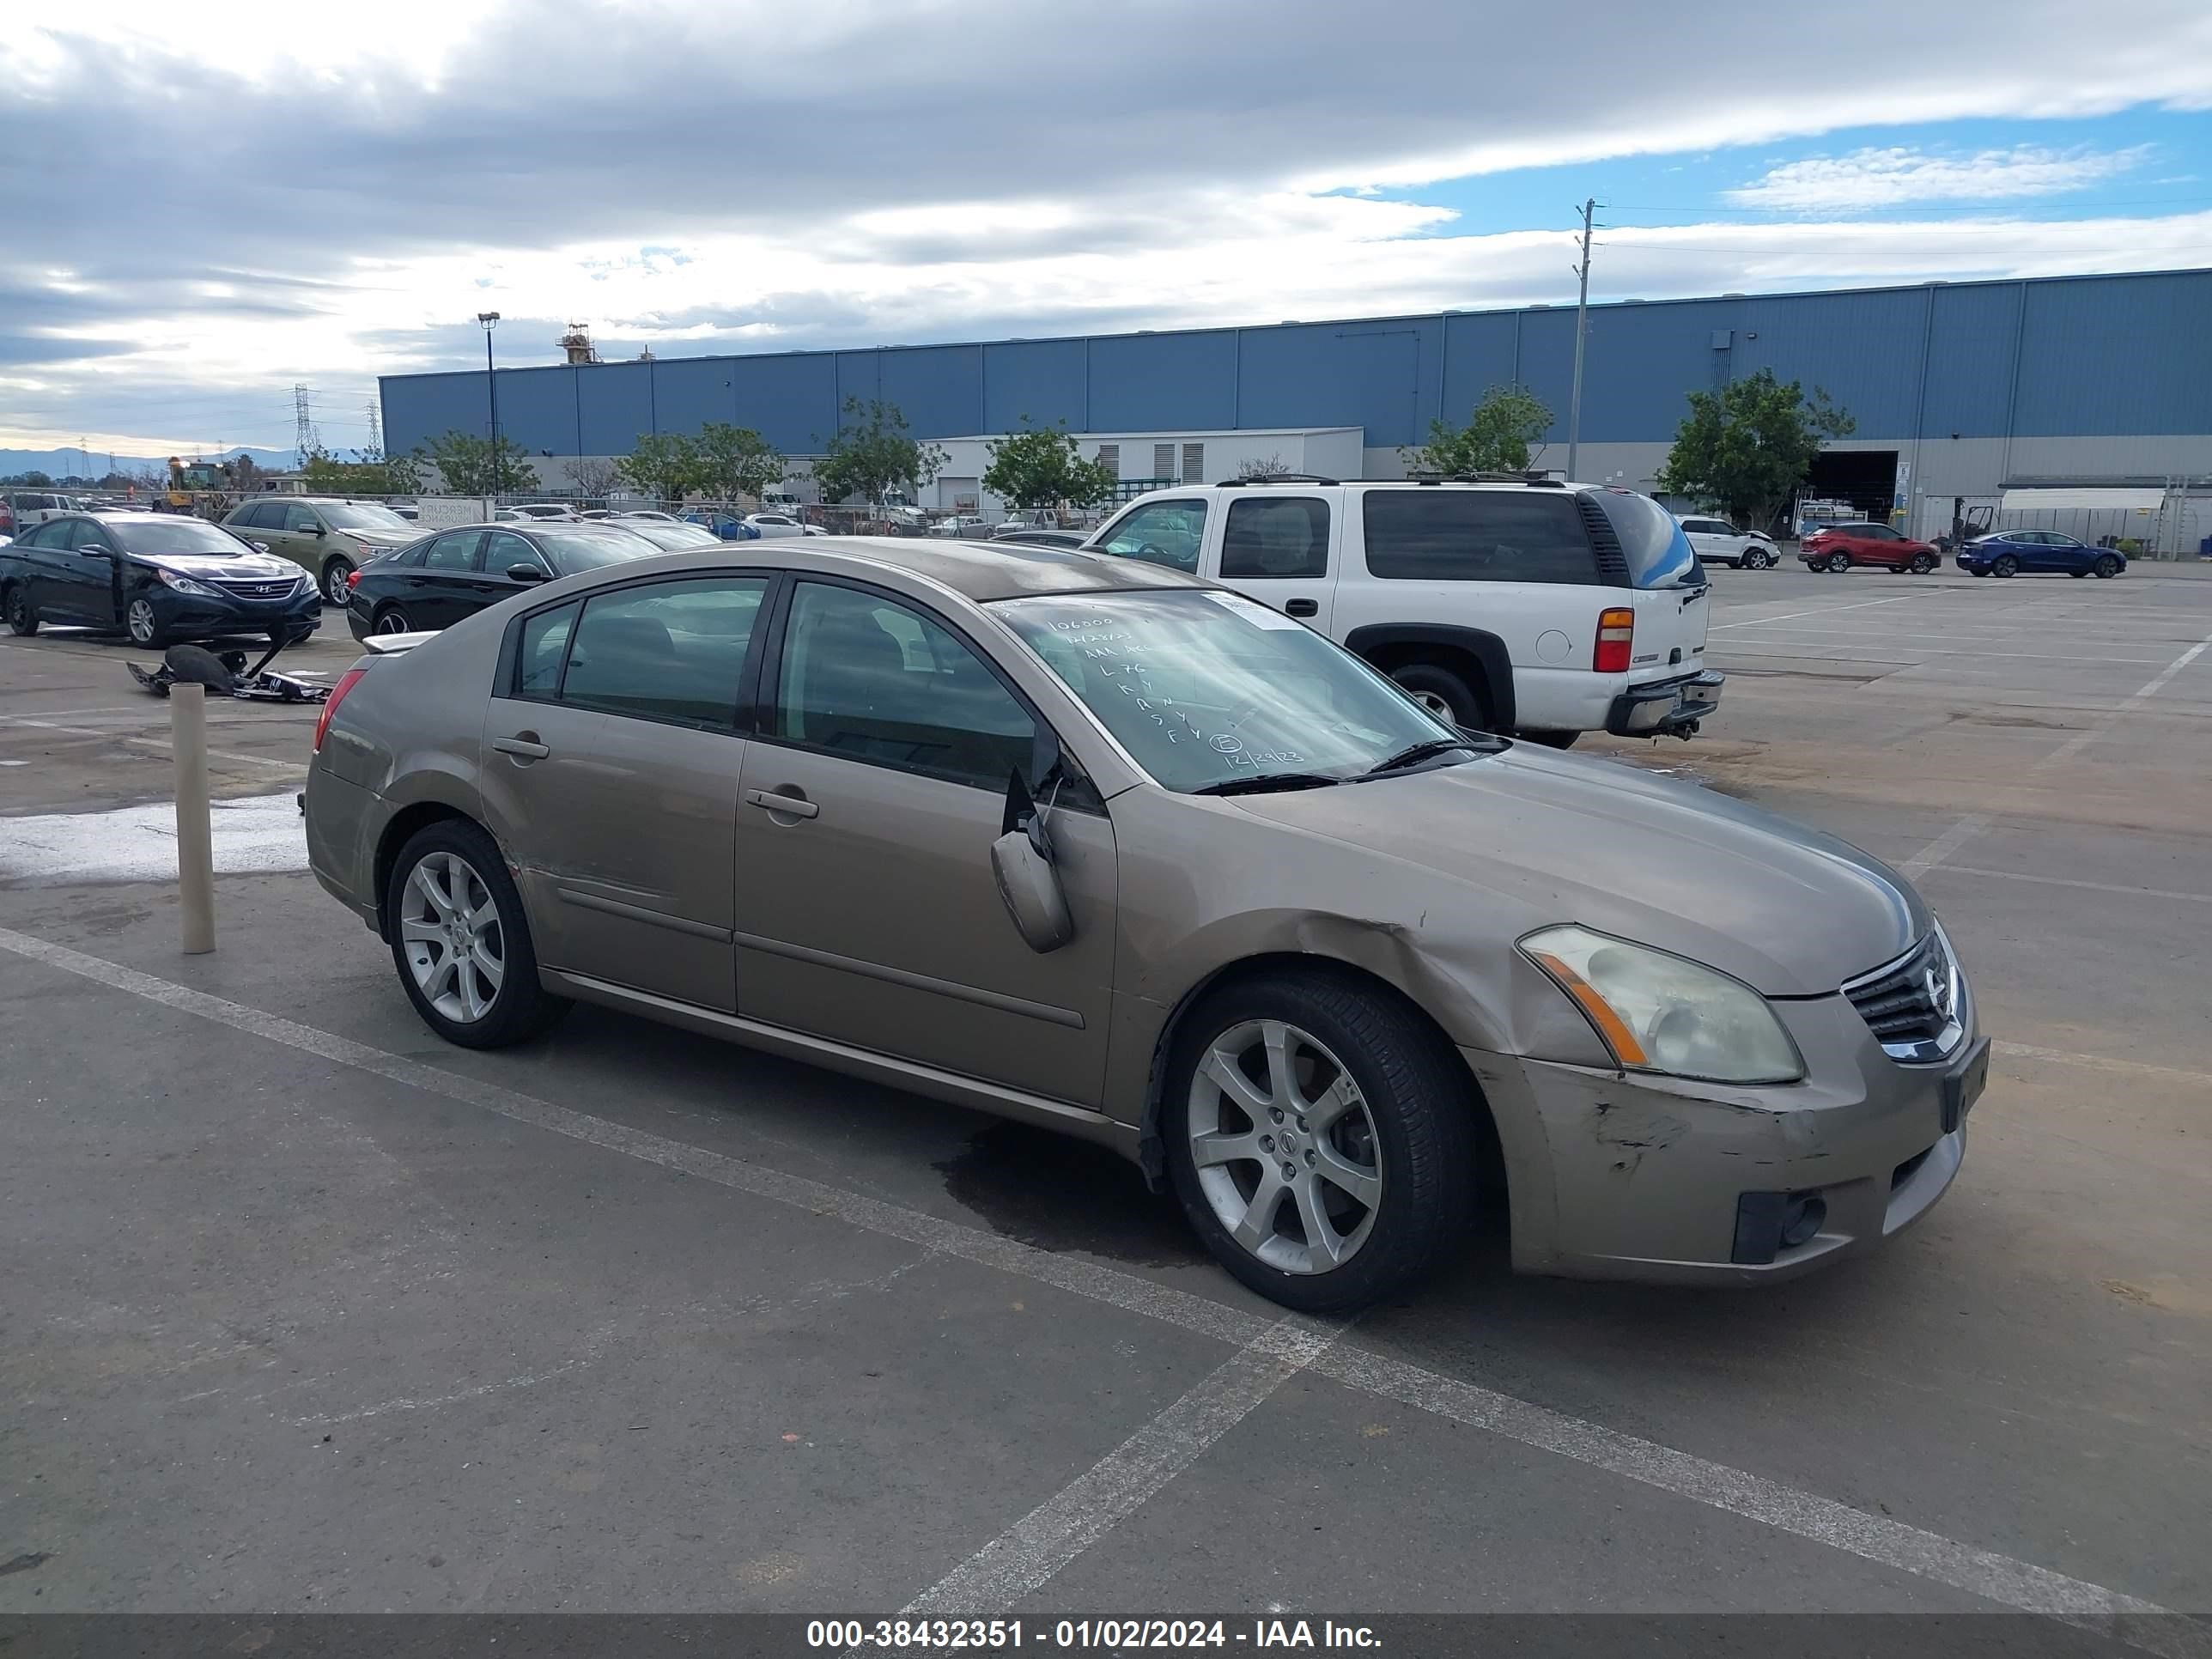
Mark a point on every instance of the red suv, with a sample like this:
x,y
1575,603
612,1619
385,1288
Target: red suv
x,y
1840,546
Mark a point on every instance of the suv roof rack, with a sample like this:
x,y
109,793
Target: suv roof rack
x,y
1278,478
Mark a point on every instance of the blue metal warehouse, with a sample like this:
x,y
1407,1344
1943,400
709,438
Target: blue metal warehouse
x,y
1957,388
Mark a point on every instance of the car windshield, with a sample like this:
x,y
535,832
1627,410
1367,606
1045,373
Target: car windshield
x,y
1205,688
364,515
589,547
156,534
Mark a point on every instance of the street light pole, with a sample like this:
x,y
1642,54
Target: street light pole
x,y
1582,329
490,321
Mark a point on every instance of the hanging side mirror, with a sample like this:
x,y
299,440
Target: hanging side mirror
x,y
1028,885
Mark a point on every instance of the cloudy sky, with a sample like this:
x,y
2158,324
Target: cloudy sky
x,y
200,209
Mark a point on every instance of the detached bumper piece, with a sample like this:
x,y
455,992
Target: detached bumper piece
x,y
1670,708
225,674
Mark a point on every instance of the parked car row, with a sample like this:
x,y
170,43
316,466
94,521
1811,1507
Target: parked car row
x,y
1092,840
1839,548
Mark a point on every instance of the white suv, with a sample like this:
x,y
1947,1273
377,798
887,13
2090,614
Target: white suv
x,y
1716,541
1527,606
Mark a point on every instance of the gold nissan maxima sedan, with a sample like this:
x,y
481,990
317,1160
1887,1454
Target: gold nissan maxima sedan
x,y
1094,845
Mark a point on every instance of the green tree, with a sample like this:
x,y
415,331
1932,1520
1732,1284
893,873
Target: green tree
x,y
730,461
370,473
1747,447
1255,468
873,451
469,467
1040,466
1496,437
662,465
37,480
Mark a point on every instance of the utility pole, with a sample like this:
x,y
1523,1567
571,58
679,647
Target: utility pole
x,y
1582,330
375,427
489,320
304,435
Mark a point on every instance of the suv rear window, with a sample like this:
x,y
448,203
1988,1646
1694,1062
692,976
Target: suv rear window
x,y
1657,551
1435,535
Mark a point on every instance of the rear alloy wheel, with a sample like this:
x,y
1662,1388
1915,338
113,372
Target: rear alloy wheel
x,y
2005,565
391,620
140,623
461,941
2106,567
1319,1139
1444,694
1922,563
335,576
1839,563
21,618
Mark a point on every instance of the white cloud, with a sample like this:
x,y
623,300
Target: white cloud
x,y
1873,178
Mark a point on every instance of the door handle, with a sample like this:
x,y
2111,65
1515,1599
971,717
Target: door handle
x,y
790,805
1302,608
525,745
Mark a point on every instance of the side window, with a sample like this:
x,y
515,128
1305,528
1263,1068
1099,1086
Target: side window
x,y
1270,538
268,515
503,548
52,533
87,536
1445,535
455,550
664,651
1160,532
866,677
301,519
544,650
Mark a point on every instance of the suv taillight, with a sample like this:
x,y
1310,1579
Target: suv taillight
x,y
346,682
1616,639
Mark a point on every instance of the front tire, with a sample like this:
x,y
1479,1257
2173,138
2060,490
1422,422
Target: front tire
x,y
335,591
142,624
1757,559
22,617
1444,694
461,942
2106,568
1922,563
1320,1137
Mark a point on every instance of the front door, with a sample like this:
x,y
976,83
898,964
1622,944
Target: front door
x,y
611,768
868,913
1279,550
89,593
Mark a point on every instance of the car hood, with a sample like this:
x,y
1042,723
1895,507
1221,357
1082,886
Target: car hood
x,y
1787,910
241,567
384,538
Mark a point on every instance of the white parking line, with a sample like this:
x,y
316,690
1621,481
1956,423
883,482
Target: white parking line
x,y
1120,1484
1974,823
1824,610
2075,881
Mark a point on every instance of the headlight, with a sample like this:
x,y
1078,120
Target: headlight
x,y
186,585
1664,1013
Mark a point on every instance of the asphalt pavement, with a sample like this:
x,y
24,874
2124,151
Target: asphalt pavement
x,y
304,1310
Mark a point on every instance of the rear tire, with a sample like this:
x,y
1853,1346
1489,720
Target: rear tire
x,y
391,620
2004,565
1444,694
1351,1084
23,618
1839,563
2077,575
461,942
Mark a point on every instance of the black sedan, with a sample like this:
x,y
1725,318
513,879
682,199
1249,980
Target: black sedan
x,y
436,581
153,577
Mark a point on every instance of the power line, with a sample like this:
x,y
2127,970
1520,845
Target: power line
x,y
1740,207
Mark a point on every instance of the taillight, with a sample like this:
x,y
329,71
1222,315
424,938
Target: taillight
x,y
346,682
1616,639
353,579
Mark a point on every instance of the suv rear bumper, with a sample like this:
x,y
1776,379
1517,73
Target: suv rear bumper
x,y
1666,707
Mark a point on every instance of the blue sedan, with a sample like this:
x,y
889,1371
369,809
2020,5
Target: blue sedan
x,y
728,525
2009,551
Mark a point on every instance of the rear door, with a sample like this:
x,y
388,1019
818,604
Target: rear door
x,y
612,751
1281,550
441,590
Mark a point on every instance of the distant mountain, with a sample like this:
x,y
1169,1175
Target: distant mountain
x,y
65,463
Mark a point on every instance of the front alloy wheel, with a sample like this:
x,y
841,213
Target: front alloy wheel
x,y
336,574
2107,567
1922,563
139,620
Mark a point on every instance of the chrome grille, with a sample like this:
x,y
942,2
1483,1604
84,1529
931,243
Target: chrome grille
x,y
1912,1005
282,588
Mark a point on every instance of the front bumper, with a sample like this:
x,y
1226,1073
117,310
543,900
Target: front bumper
x,y
202,616
1624,1176
1666,707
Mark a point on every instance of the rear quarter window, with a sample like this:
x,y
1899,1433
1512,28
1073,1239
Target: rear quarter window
x,y
1657,552
1438,535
